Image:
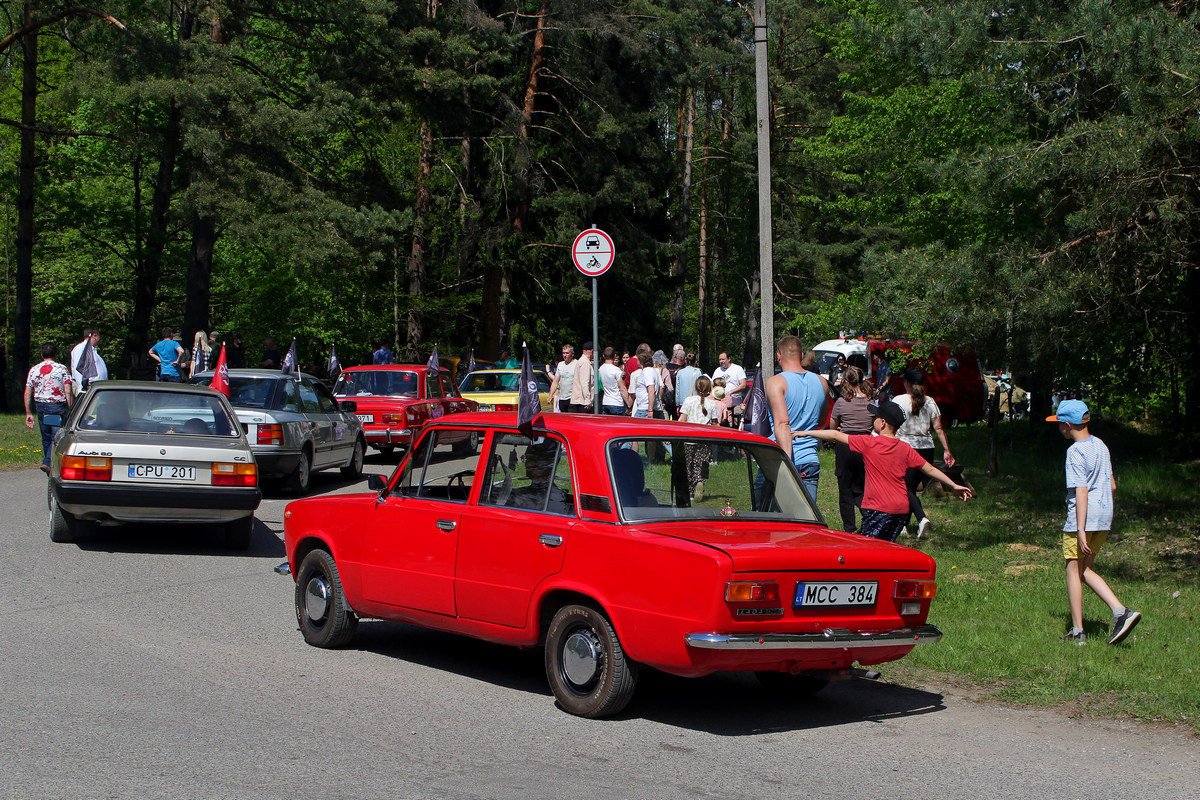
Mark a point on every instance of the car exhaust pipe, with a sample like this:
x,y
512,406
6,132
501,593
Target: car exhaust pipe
x,y
869,674
283,569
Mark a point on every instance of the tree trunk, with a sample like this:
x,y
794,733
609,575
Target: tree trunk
x,y
416,258
527,108
684,229
22,339
199,277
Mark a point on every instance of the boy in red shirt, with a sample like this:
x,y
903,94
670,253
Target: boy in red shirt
x,y
885,497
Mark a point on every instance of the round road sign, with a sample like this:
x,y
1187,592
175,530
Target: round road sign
x,y
593,252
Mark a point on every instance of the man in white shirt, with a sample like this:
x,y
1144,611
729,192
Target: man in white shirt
x,y
735,378
77,351
563,381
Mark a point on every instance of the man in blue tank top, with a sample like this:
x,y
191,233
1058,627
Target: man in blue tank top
x,y
797,399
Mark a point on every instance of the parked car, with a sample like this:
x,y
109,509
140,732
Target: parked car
x,y
585,538
295,425
131,451
396,400
496,389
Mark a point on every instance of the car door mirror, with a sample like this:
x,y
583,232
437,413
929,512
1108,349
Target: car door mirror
x,y
376,483
52,420
349,406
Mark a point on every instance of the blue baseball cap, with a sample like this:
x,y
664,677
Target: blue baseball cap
x,y
1072,412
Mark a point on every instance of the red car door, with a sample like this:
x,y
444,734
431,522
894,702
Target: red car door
x,y
516,533
412,536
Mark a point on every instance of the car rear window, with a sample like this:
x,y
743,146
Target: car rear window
x,y
381,383
706,479
134,411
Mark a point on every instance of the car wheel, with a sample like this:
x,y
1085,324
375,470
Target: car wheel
x,y
469,446
299,481
325,617
786,686
239,532
353,470
62,524
586,665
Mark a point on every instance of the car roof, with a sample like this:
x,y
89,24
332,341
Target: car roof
x,y
584,426
151,386
253,372
395,367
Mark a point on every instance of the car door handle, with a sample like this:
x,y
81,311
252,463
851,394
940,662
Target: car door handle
x,y
550,540
447,524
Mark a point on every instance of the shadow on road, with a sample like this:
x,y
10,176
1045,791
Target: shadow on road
x,y
168,538
724,704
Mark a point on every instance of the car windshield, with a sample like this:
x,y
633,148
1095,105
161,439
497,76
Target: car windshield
x,y
382,383
246,391
136,411
706,479
481,382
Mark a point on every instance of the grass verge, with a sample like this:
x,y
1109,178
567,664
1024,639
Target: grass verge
x,y
20,447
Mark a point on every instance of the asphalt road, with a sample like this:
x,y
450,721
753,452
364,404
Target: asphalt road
x,y
150,662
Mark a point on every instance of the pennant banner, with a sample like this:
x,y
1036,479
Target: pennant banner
x,y
528,403
757,417
290,366
220,381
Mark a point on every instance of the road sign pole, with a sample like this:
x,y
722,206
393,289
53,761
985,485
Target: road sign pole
x,y
595,350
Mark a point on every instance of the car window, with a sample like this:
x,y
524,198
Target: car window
x,y
448,386
245,391
289,396
432,385
439,468
532,474
658,479
134,411
309,403
328,403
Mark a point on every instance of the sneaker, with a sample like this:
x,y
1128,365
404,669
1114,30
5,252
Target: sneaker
x,y
923,527
1123,624
1075,638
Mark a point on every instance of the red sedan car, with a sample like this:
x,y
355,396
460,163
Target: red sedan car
x,y
594,539
396,400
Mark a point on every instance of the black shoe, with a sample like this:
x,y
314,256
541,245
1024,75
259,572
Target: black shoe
x,y
44,469
1123,624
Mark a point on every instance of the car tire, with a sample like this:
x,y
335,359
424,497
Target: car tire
x,y
788,687
354,469
586,664
324,615
239,532
62,524
299,481
469,446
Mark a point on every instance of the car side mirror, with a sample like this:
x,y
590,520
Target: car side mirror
x,y
349,406
52,420
376,483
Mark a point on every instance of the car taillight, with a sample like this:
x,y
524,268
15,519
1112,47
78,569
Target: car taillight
x,y
392,419
506,408
270,434
914,590
234,474
753,599
86,468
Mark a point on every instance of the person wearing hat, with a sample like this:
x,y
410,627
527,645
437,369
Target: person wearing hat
x,y
1090,489
886,458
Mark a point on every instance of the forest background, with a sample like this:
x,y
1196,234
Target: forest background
x,y
1020,178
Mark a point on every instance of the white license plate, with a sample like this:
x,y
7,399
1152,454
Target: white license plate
x,y
836,594
162,472
366,417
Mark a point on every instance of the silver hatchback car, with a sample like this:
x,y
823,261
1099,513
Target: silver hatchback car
x,y
295,425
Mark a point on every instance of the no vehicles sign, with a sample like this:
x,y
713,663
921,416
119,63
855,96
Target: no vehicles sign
x,y
593,252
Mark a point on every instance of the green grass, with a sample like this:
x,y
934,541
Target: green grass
x,y
20,447
1002,599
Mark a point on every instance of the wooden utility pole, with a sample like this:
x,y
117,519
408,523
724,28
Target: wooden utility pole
x,y
766,282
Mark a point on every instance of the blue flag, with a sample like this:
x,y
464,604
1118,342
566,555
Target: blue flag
x,y
334,366
757,417
434,363
528,403
290,365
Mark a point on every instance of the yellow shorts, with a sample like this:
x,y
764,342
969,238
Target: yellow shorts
x,y
1095,540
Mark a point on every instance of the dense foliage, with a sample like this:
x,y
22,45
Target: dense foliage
x,y
1020,178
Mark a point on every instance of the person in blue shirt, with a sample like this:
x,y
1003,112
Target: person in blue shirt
x,y
382,355
167,352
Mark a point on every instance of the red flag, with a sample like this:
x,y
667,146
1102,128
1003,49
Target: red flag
x,y
220,381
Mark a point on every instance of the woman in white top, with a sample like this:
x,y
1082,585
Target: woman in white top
x,y
700,409
924,419
648,388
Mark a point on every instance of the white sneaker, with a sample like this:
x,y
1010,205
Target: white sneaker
x,y
923,527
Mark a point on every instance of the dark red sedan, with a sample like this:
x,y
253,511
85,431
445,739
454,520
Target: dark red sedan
x,y
394,402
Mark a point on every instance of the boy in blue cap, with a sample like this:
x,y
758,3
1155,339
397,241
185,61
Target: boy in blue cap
x,y
1090,488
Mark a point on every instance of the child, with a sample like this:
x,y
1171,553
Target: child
x,y
885,496
1090,488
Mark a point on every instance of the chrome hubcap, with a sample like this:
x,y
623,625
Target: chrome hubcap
x,y
582,657
316,598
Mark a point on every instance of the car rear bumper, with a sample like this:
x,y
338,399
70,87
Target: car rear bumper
x,y
127,503
276,463
388,437
830,638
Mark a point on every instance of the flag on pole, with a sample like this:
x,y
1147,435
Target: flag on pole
x,y
471,361
86,366
290,365
434,364
757,417
220,381
528,404
334,366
